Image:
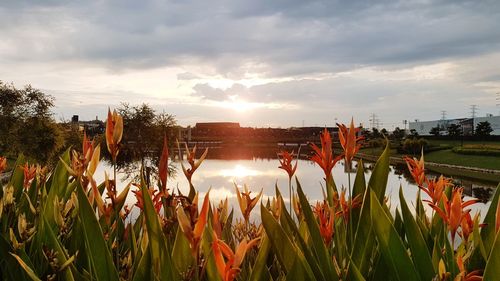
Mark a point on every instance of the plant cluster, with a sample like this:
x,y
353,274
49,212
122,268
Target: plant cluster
x,y
62,225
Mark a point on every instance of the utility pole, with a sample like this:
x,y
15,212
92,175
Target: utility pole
x,y
443,114
405,122
473,111
497,99
374,120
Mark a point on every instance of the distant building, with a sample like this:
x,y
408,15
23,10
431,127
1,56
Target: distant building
x,y
423,128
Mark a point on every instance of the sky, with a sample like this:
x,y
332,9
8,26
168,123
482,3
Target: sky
x,y
279,63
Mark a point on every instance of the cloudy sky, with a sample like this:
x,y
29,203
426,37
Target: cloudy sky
x,y
260,62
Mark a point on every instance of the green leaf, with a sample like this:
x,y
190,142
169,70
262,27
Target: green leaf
x,y
143,270
26,268
181,253
492,270
419,251
206,243
488,232
321,253
391,246
98,251
58,184
161,261
260,272
286,251
380,174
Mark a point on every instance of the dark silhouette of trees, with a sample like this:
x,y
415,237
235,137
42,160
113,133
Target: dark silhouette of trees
x,y
483,129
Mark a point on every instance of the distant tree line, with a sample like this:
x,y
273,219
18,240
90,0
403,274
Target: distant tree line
x,y
483,129
27,126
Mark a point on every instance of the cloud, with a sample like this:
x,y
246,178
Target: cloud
x,y
324,59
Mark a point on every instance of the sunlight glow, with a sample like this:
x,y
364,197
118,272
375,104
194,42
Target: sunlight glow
x,y
239,171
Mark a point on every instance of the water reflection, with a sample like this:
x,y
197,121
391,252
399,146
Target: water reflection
x,y
259,171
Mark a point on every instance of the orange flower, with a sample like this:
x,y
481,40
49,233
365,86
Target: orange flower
x,y
163,166
286,159
188,172
326,220
475,275
87,148
155,197
453,212
230,269
246,202
435,188
349,140
347,205
114,132
324,156
193,232
416,168
3,164
29,174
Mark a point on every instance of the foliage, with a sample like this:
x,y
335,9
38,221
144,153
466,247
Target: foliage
x,y
435,131
62,225
483,129
454,130
414,146
143,132
26,124
479,149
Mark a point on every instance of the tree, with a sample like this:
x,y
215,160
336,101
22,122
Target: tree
x,y
435,131
384,132
398,133
375,133
26,124
143,132
413,133
483,129
454,130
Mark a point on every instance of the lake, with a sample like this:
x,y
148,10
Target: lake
x,y
258,169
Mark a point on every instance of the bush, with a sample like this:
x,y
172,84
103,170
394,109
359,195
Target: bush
x,y
477,150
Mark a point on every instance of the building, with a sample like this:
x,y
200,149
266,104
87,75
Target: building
x,y
423,128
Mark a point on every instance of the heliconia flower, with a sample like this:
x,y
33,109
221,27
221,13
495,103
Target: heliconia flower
x,y
324,156
275,207
326,220
347,204
87,148
286,159
29,174
435,188
453,212
155,197
296,206
416,168
163,165
188,172
467,225
475,275
114,132
193,233
349,140
229,269
3,164
246,202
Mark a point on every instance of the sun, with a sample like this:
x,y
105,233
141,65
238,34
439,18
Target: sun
x,y
239,105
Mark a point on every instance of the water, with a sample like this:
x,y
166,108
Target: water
x,y
223,170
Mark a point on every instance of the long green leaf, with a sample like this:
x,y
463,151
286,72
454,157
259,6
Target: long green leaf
x,y
99,253
419,251
160,257
286,251
391,246
492,270
324,259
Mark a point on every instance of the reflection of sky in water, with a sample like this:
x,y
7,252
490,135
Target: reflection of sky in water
x,y
220,176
